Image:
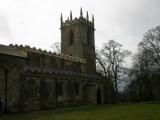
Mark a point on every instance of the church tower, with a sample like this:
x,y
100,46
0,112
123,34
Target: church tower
x,y
77,39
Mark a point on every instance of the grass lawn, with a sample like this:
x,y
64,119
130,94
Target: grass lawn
x,y
143,111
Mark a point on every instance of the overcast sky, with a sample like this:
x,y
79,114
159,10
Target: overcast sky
x,y
37,22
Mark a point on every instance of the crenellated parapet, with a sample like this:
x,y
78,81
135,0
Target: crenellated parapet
x,y
27,48
71,20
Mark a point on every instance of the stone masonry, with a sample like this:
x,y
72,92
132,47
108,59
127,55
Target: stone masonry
x,y
34,79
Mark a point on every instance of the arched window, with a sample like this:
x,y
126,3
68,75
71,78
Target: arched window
x,y
60,88
76,88
89,36
71,37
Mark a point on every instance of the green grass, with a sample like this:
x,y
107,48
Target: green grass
x,y
143,111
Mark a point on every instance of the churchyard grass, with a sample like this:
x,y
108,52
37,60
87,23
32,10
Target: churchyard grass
x,y
140,111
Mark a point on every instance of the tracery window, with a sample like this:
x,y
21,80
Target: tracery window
x,y
71,37
60,88
76,88
89,36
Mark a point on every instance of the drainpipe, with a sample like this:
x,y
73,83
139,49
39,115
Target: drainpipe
x,y
56,91
6,92
43,61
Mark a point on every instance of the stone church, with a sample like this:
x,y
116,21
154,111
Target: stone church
x,y
34,79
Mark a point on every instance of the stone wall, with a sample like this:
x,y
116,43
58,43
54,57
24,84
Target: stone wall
x,y
31,81
40,91
46,61
11,68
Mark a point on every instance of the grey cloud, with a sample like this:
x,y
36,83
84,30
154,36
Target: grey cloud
x,y
127,20
5,34
123,20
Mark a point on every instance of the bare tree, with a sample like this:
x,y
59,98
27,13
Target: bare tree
x,y
142,69
147,60
103,67
113,53
151,42
56,47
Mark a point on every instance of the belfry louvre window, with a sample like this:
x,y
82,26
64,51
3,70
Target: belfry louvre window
x,y
76,88
71,37
89,35
60,88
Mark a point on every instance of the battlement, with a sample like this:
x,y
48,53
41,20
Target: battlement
x,y
77,20
81,19
27,48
